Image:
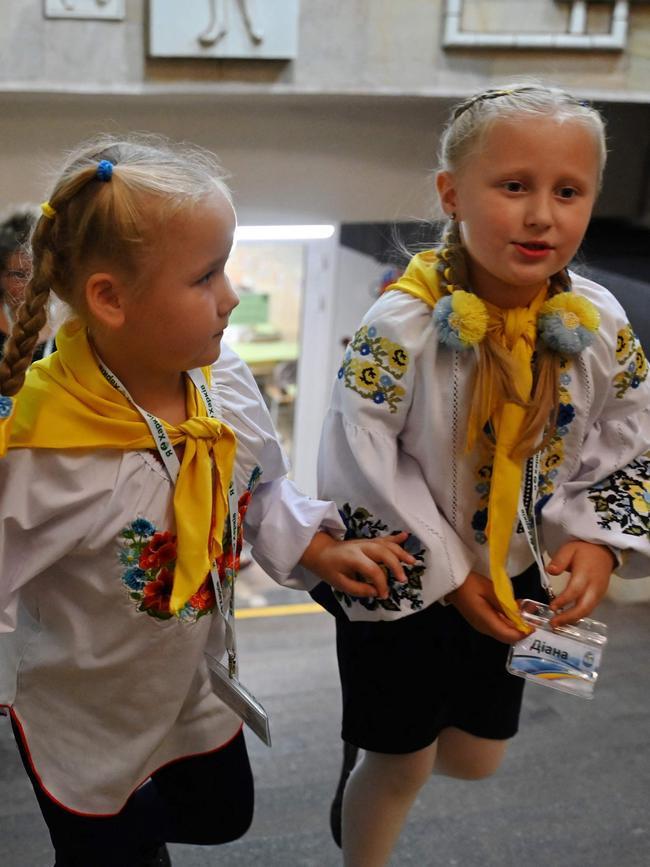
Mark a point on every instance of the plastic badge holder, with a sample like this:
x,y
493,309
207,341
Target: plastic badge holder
x,y
566,658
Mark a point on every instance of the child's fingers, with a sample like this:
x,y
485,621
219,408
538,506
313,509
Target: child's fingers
x,y
491,622
583,606
373,573
400,537
562,559
571,593
374,585
391,558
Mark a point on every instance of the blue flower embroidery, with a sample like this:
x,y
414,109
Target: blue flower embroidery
x,y
361,524
6,405
142,527
565,415
479,521
134,578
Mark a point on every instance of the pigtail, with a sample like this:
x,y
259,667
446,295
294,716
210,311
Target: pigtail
x,y
31,317
20,346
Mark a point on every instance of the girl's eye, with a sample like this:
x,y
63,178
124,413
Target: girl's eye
x,y
567,192
513,186
206,277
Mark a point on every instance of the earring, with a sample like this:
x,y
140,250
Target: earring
x,y
452,216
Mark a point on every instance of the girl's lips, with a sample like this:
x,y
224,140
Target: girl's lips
x,y
532,252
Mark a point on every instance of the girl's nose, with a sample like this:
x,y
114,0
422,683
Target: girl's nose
x,y
539,211
228,298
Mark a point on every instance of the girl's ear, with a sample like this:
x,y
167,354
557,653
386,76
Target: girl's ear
x,y
105,299
446,186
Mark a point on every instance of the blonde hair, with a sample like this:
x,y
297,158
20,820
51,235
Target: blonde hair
x,y
88,220
470,121
472,118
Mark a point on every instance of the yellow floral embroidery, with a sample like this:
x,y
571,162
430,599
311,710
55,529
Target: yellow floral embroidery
x,y
366,374
482,488
630,354
641,498
554,453
622,501
372,364
396,357
624,339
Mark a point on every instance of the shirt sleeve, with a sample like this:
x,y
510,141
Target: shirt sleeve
x,y
607,498
47,508
378,486
280,521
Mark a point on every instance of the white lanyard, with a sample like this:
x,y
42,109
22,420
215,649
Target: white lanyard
x,y
172,466
529,523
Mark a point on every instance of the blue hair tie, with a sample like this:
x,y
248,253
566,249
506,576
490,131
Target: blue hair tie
x,y
104,170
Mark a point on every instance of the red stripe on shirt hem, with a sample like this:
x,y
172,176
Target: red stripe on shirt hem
x,y
63,806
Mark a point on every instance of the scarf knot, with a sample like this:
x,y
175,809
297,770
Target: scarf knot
x,y
509,326
201,428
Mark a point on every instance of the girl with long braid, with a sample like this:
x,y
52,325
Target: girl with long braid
x,y
120,521
488,380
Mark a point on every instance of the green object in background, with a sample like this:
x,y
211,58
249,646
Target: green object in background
x,y
253,309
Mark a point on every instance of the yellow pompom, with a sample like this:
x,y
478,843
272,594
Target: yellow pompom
x,y
470,316
574,310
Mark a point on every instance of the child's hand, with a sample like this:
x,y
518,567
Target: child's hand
x,y
591,567
338,563
477,602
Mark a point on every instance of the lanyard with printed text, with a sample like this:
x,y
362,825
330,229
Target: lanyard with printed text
x,y
224,679
529,524
172,465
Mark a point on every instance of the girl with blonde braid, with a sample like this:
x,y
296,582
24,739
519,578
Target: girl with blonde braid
x,y
487,370
120,530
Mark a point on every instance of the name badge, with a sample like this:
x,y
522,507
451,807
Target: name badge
x,y
566,658
233,694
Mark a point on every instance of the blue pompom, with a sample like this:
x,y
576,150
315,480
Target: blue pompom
x,y
568,341
446,333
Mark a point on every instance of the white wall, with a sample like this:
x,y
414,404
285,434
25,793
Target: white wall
x,y
292,159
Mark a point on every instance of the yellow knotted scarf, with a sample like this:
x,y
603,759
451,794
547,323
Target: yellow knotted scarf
x,y
66,403
515,329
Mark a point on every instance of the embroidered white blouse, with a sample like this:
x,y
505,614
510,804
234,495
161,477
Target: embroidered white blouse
x,y
104,687
393,452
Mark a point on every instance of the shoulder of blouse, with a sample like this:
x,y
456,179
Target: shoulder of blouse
x,y
613,318
402,319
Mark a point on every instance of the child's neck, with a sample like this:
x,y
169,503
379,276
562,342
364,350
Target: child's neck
x,y
159,392
503,295
508,297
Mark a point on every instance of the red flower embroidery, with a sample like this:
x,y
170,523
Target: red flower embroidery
x,y
156,594
204,599
160,551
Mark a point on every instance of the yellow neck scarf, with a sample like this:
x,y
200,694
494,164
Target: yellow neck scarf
x,y
516,330
66,403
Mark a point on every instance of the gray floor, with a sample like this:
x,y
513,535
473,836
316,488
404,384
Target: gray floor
x,y
574,789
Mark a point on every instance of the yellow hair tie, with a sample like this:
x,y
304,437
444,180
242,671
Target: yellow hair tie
x,y
48,210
